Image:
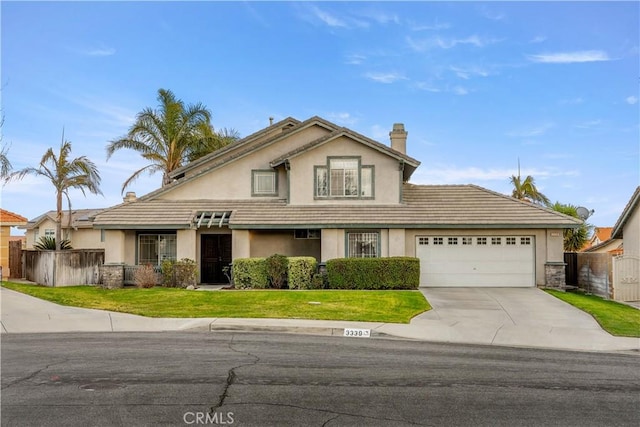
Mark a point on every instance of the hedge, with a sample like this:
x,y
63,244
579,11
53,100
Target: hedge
x,y
373,273
300,273
250,273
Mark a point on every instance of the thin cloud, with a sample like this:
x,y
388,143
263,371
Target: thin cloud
x,y
492,15
448,42
355,59
390,77
429,27
590,124
448,174
571,101
98,51
467,73
537,130
570,57
632,100
537,39
427,87
327,18
342,118
459,90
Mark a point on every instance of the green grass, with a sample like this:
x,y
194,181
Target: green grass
x,y
364,306
617,319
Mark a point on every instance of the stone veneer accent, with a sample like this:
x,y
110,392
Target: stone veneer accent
x,y
554,275
112,276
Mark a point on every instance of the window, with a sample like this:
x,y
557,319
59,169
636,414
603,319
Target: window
x,y
306,234
467,240
36,234
525,240
48,232
510,241
344,177
264,183
437,241
423,240
496,240
102,235
155,248
362,245
481,241
452,240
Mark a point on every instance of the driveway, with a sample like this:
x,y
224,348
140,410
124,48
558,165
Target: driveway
x,y
508,316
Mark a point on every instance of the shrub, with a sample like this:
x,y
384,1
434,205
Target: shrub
x,y
276,266
179,274
250,273
300,272
373,273
319,281
146,276
48,243
168,280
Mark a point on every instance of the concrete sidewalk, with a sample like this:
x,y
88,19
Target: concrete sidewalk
x,y
488,316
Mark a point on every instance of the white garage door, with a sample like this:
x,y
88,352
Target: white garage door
x,y
501,261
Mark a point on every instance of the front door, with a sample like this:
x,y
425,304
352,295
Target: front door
x,y
215,255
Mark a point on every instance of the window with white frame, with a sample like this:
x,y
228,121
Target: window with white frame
x,y
264,183
363,244
344,177
155,248
49,232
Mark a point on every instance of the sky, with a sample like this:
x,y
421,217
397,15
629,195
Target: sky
x,y
479,86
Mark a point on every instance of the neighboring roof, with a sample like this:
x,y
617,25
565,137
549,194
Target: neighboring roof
x,y
80,218
611,245
602,233
10,218
426,206
626,213
355,136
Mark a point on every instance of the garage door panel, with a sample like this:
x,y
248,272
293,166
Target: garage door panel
x,y
476,261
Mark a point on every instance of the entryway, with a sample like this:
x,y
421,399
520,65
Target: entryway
x,y
215,254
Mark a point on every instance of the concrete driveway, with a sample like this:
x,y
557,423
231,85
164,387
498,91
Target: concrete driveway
x,y
509,316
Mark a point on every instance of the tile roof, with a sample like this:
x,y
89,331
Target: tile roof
x,y
425,206
10,218
80,218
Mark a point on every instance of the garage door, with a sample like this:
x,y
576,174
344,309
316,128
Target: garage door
x,y
503,261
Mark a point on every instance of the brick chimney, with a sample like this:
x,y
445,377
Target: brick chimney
x,y
399,138
130,197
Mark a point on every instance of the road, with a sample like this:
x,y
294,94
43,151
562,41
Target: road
x,y
196,378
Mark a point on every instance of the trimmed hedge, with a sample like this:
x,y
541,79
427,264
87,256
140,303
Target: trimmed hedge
x,y
250,273
373,273
300,273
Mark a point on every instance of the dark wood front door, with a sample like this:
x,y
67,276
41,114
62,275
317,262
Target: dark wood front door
x,y
215,252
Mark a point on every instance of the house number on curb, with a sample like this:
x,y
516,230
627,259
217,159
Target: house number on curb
x,y
357,333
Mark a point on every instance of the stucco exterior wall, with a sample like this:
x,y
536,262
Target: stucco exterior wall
x,y
386,179
267,243
542,246
82,238
234,180
5,232
631,234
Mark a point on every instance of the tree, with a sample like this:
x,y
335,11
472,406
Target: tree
x,y
5,164
64,173
526,189
210,140
169,136
574,238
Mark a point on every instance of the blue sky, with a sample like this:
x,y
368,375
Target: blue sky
x,y
478,85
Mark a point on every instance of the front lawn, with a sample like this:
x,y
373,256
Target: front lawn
x,y
615,318
363,306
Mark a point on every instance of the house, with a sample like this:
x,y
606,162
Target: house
x,y
601,242
7,220
314,188
600,235
79,231
626,268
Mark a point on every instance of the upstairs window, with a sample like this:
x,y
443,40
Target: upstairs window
x,y
344,177
264,183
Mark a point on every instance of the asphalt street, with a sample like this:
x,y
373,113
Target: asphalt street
x,y
200,378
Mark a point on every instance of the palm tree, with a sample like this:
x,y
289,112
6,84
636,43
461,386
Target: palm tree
x,y
210,140
526,190
574,238
5,164
168,137
65,174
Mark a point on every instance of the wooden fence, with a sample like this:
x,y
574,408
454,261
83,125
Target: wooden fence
x,y
15,259
64,268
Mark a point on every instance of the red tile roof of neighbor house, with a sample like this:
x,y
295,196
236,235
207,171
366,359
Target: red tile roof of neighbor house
x,y
603,233
10,218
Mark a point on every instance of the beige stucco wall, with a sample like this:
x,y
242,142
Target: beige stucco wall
x,y
240,244
397,242
631,234
114,252
82,238
5,232
546,250
186,244
332,244
386,173
233,181
266,243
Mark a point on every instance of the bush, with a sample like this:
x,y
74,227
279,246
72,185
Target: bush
x,y
179,274
48,243
276,266
319,281
373,273
250,273
300,272
145,276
